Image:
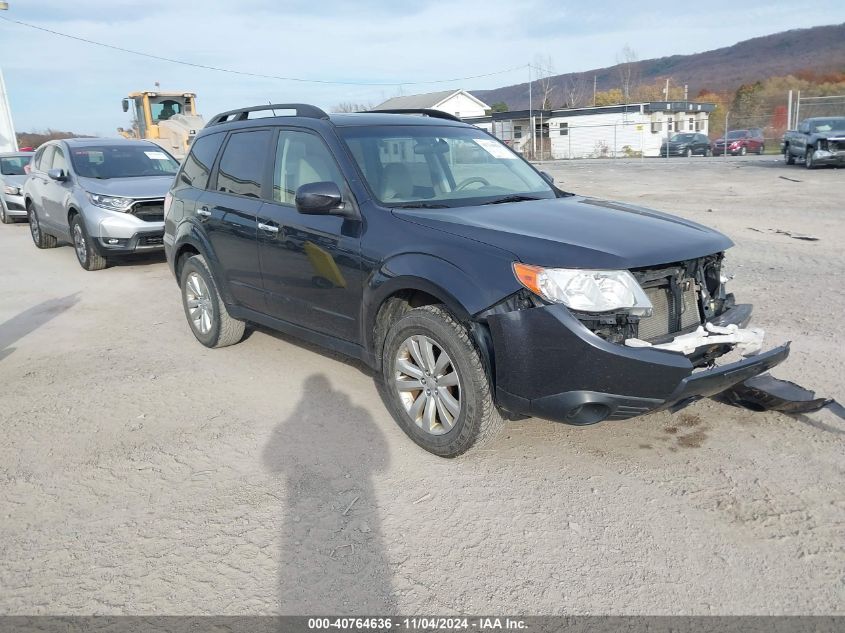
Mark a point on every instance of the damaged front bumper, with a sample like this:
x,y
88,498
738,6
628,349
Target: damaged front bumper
x,y
549,365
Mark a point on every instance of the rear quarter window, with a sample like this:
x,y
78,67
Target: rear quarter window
x,y
197,166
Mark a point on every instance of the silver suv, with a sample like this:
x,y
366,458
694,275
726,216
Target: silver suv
x,y
105,196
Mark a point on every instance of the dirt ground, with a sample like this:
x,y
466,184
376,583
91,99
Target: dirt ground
x,y
141,473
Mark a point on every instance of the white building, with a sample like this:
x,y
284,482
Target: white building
x,y
634,129
457,102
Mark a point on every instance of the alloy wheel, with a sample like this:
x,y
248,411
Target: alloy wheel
x,y
80,244
198,299
34,229
428,384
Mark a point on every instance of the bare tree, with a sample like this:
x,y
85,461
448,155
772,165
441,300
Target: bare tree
x,y
545,68
629,73
575,91
350,106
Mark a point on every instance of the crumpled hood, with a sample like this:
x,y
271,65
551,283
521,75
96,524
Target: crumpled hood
x,y
144,187
577,232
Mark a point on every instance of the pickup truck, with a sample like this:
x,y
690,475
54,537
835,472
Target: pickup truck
x,y
817,141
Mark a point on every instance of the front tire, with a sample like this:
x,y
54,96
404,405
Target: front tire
x,y
743,150
39,237
435,383
809,163
207,315
5,218
87,257
688,153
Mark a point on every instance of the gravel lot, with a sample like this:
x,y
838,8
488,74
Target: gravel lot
x,y
142,473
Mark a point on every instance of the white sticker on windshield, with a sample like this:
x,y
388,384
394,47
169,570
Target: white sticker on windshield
x,y
156,155
494,148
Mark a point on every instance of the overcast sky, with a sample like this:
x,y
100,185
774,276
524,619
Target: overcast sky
x,y
64,84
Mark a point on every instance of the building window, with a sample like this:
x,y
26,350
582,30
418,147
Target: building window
x,y
691,124
669,123
517,131
564,129
656,127
697,125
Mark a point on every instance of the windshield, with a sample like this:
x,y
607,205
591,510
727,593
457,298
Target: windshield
x,y
433,166
14,165
737,134
682,138
122,161
827,125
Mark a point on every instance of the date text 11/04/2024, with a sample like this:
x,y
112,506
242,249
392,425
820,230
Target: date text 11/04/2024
x,y
417,624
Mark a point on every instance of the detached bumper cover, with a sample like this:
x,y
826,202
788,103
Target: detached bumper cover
x,y
547,364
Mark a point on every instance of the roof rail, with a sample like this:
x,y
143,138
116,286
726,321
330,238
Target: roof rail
x,y
242,114
434,114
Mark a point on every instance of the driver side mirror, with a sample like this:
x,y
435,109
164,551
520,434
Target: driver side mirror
x,y
57,174
549,178
320,198
126,105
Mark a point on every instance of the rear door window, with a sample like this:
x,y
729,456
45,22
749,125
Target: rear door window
x,y
198,164
242,166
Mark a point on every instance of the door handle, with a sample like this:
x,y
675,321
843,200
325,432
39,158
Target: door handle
x,y
204,212
268,227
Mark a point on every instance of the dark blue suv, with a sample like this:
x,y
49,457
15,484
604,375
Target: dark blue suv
x,y
426,248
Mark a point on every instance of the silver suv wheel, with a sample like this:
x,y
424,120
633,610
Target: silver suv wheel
x,y
198,300
428,384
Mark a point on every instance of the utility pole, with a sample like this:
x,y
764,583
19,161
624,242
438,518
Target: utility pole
x,y
8,138
531,116
789,112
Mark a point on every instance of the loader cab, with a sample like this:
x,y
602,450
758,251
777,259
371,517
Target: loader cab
x,y
151,108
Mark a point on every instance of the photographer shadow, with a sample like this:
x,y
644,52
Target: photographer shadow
x,y
333,558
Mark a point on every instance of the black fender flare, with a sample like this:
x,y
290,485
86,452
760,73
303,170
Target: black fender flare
x,y
443,280
192,238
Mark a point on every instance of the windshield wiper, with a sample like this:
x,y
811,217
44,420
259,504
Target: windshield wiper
x,y
512,198
421,205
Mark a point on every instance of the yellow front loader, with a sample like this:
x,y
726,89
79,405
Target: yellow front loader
x,y
168,119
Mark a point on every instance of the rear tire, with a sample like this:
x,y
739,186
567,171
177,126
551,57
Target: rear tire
x,y
708,152
39,237
762,150
787,156
207,315
453,409
87,257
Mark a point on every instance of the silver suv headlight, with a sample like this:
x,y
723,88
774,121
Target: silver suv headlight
x,y
586,290
12,190
112,203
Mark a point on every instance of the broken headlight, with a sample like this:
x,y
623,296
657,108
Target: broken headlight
x,y
586,290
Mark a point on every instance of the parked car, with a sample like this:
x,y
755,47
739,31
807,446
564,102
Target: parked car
x,y
105,196
741,142
817,141
432,252
12,176
686,144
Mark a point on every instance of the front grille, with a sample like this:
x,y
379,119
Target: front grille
x,y
149,210
670,316
151,240
837,145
